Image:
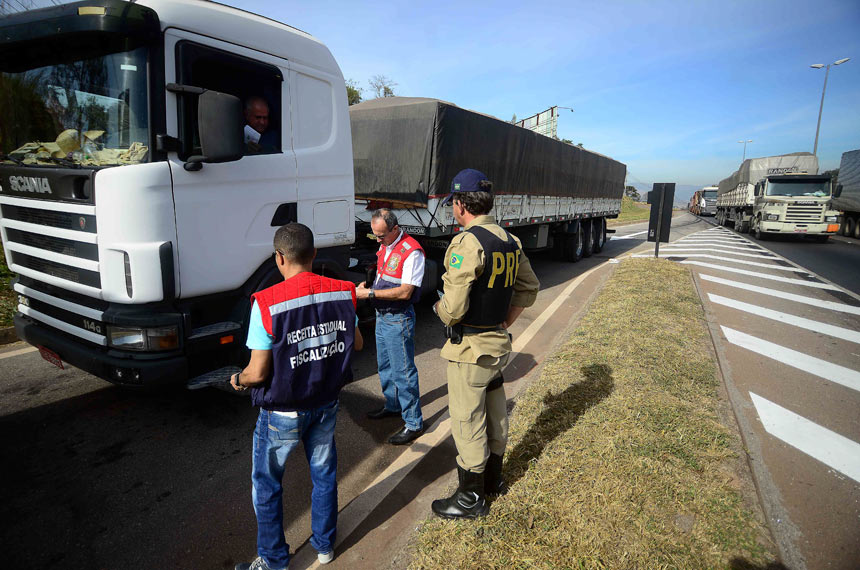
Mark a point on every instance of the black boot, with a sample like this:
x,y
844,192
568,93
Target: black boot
x,y
468,500
494,484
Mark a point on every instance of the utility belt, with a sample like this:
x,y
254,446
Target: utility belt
x,y
456,332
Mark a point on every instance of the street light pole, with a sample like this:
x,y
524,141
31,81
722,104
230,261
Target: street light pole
x,y
823,91
745,148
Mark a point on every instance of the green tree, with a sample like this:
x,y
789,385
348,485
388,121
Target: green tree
x,y
632,192
382,86
353,92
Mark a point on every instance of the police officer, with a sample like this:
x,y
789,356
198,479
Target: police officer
x,y
301,335
487,283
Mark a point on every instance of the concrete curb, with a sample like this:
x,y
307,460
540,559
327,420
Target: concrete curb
x,y
7,335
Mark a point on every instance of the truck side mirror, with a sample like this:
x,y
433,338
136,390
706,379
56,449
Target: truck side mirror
x,y
220,125
838,191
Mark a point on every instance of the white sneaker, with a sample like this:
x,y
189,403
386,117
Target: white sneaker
x,y
325,558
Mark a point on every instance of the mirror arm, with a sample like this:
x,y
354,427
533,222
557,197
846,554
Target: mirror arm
x,y
194,163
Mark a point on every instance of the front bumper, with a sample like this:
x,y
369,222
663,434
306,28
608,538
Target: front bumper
x,y
799,228
139,370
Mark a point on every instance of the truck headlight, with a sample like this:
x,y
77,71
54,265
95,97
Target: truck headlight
x,y
144,338
773,217
829,218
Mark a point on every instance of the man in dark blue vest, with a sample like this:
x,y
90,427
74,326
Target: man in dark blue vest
x,y
301,335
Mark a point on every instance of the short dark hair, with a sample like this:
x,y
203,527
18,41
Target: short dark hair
x,y
387,216
476,203
295,242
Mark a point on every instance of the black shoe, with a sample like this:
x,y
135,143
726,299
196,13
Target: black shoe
x,y
405,435
493,482
467,502
381,413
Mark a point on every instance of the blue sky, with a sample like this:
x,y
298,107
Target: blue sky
x,y
668,88
665,87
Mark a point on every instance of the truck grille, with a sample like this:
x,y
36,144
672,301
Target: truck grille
x,y
53,247
804,214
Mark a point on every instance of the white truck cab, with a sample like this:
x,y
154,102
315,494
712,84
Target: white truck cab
x,y
136,218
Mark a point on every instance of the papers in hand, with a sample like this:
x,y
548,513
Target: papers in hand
x,y
251,135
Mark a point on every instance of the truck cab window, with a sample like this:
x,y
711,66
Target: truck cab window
x,y
257,85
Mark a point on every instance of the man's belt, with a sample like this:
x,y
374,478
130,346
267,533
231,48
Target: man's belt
x,y
456,332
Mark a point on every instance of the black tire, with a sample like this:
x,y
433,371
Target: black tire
x,y
744,227
847,228
757,233
587,238
599,231
856,233
573,245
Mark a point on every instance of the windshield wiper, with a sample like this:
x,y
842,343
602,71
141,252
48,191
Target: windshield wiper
x,y
14,159
63,162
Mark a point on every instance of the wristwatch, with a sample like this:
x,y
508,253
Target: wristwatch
x,y
371,295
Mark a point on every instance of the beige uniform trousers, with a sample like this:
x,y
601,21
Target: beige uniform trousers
x,y
479,419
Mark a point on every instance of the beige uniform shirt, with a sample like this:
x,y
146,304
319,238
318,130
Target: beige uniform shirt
x,y
464,263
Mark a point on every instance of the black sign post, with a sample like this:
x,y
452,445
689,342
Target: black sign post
x,y
660,222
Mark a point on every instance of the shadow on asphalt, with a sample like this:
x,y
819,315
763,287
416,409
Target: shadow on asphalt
x,y
561,413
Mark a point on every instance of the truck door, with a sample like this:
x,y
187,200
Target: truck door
x,y
227,213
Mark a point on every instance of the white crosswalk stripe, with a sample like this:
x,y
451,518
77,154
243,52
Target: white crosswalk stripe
x,y
834,450
809,324
813,284
830,305
815,366
718,244
730,260
694,249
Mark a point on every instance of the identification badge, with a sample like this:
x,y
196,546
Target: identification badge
x,y
393,262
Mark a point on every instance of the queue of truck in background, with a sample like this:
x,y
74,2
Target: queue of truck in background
x,y
847,194
781,194
137,224
704,201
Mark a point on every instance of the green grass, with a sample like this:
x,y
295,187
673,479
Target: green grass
x,y
618,454
631,212
7,296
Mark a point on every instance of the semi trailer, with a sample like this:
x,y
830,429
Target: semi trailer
x,y
847,194
778,195
138,224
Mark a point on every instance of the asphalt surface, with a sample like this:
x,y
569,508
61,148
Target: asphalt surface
x,y
786,336
97,476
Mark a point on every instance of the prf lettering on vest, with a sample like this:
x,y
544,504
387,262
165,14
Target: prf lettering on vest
x,y
507,263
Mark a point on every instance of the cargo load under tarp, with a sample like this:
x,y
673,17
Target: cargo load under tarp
x,y
754,169
849,179
406,150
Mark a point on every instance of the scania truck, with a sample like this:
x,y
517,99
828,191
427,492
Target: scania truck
x,y
778,195
139,223
704,201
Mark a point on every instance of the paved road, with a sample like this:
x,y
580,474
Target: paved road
x,y
788,344
96,476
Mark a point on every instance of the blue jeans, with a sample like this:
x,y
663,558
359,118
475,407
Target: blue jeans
x,y
395,356
275,437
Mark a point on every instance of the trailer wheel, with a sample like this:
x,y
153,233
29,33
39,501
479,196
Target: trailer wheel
x,y
573,245
587,238
856,233
599,231
745,227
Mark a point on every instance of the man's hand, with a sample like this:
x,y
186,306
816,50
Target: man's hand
x,y
362,292
234,382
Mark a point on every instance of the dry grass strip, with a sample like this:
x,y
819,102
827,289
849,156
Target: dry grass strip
x,y
617,456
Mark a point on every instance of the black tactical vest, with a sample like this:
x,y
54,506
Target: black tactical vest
x,y
491,293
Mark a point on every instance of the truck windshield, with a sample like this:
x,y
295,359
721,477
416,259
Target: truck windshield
x,y
91,112
710,194
815,188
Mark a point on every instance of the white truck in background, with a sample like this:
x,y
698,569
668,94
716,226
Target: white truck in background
x,y
847,194
778,195
137,224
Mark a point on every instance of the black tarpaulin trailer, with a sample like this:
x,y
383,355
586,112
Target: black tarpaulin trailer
x,y
406,151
